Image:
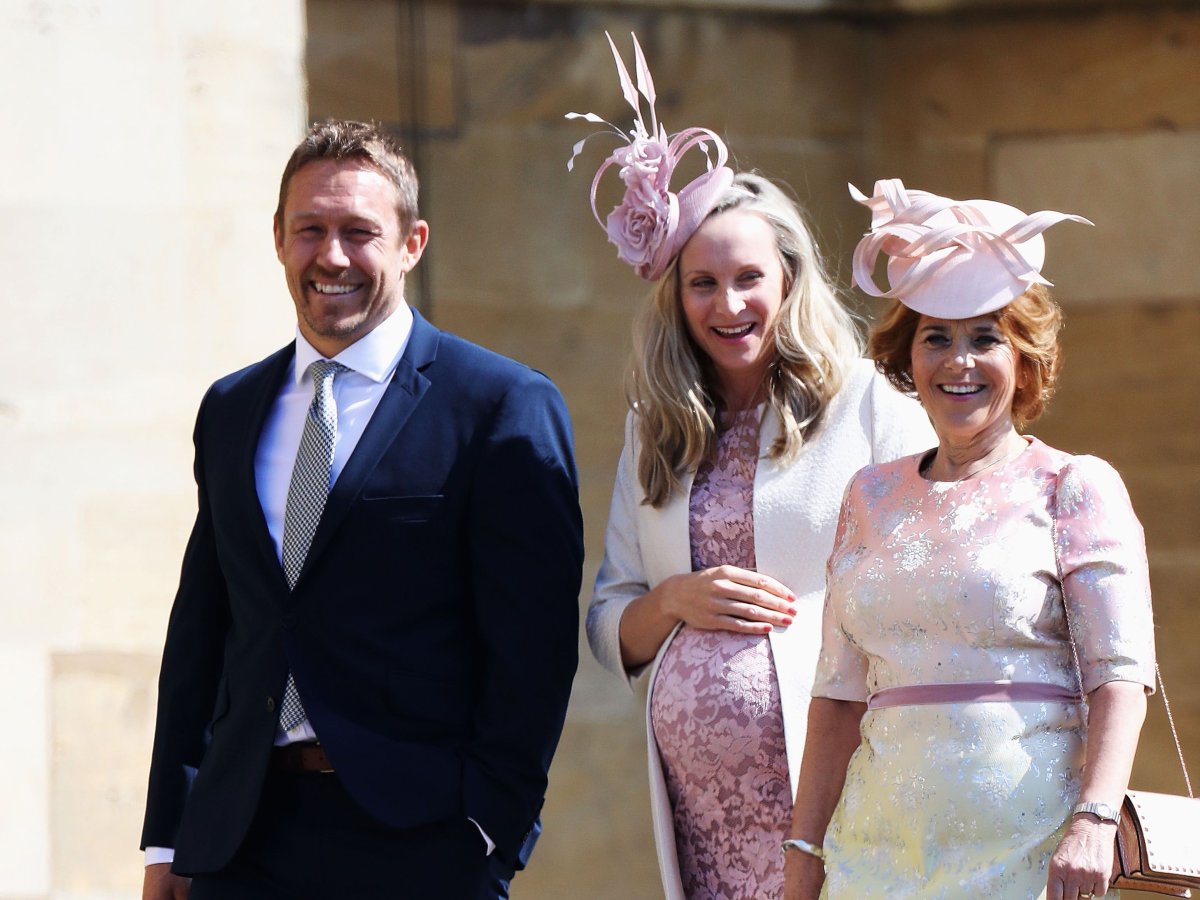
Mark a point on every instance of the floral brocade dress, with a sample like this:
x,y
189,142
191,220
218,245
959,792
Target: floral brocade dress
x,y
715,709
936,589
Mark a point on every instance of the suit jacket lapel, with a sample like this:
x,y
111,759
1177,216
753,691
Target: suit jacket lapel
x,y
274,370
405,390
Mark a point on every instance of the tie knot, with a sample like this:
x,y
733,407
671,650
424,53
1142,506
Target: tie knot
x,y
324,370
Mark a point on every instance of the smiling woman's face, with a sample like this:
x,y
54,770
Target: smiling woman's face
x,y
966,372
731,288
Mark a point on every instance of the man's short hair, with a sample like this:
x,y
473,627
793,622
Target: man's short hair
x,y
340,140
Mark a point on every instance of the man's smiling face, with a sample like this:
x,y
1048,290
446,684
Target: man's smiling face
x,y
343,252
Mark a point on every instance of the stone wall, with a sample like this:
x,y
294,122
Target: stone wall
x,y
1087,107
141,158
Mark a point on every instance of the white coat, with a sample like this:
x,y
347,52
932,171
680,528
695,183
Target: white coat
x,y
795,511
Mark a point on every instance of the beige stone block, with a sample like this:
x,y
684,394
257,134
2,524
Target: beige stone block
x,y
115,64
131,558
153,135
205,297
125,66
94,536
372,59
276,26
577,348
789,81
953,166
39,566
25,833
436,32
228,305
352,61
1164,496
1174,578
597,840
1134,188
1128,388
238,89
1029,72
102,709
91,292
518,228
521,76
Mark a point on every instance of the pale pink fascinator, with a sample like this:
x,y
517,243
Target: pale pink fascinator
x,y
951,259
652,223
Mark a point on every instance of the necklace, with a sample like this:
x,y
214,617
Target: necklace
x,y
927,465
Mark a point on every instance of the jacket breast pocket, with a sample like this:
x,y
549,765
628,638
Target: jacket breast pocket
x,y
404,509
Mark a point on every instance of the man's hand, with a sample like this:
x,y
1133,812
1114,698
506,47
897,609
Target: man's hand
x,y
161,884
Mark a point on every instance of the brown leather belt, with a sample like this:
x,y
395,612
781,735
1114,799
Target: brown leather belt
x,y
299,759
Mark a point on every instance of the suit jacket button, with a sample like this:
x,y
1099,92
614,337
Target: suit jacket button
x,y
270,704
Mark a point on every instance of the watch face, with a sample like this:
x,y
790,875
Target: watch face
x,y
1106,812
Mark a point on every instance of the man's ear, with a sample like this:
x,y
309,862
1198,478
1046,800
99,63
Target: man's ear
x,y
414,245
277,229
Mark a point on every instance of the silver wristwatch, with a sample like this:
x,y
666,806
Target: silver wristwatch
x,y
1105,812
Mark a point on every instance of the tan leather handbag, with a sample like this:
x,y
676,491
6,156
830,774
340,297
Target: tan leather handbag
x,y
1158,844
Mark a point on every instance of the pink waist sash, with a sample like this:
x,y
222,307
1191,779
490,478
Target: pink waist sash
x,y
972,692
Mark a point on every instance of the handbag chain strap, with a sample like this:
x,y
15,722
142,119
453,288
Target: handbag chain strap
x,y
1162,687
1170,721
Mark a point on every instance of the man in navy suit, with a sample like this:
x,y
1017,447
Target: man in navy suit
x,y
423,640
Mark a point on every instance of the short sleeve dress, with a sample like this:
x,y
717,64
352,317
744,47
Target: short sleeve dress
x,y
965,584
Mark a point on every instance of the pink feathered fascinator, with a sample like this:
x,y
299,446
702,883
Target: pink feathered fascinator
x,y
951,259
652,223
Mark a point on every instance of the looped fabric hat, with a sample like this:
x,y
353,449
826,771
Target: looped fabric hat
x,y
652,223
951,259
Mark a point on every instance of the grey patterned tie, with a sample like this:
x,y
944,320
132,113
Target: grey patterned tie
x,y
306,498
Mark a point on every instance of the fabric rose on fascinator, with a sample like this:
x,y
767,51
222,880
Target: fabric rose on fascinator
x,y
651,223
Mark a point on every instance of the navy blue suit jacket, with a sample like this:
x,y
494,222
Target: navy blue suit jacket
x,y
432,632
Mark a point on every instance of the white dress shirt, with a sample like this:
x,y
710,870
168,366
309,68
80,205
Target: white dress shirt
x,y
371,360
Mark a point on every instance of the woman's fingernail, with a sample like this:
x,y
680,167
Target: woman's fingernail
x,y
791,611
787,622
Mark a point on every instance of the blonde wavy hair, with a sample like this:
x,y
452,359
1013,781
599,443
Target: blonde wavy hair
x,y
672,387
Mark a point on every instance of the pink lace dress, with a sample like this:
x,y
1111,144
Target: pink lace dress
x,y
715,706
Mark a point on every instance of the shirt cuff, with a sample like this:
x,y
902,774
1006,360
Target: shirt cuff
x,y
157,855
491,845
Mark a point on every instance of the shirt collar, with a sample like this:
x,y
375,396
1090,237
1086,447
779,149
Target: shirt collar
x,y
374,355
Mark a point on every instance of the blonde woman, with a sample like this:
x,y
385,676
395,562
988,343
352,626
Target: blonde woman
x,y
750,410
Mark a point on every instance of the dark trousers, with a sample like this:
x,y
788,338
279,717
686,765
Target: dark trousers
x,y
310,841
